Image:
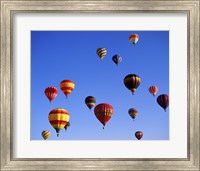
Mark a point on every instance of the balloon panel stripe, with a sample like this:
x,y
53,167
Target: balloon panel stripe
x,y
59,117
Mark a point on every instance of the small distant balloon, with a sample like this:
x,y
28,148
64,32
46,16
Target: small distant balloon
x,y
139,135
101,52
90,101
153,90
117,59
67,86
132,82
67,126
163,101
46,134
51,93
134,38
133,113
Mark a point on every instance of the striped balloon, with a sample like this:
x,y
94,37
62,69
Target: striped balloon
x,y
67,86
51,93
103,112
46,134
133,113
58,118
101,52
153,90
134,38
139,135
90,101
117,59
132,81
163,101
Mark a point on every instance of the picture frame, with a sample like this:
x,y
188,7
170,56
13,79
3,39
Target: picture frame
x,y
11,8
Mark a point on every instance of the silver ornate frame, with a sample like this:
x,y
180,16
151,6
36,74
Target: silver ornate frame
x,y
10,7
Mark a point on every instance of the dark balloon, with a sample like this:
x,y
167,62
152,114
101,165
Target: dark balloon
x,y
117,59
67,126
132,81
163,101
103,112
138,135
90,101
133,113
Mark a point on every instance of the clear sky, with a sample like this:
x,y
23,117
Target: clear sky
x,y
60,55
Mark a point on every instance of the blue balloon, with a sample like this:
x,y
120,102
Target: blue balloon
x,y
117,59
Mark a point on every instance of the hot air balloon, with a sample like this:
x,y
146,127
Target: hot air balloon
x,y
117,59
58,118
51,93
46,134
132,81
133,113
103,112
138,135
153,90
134,38
163,101
101,52
67,126
90,101
67,86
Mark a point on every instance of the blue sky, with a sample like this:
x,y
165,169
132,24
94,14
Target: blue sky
x,y
60,55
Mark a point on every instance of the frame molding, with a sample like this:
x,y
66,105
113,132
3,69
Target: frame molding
x,y
10,8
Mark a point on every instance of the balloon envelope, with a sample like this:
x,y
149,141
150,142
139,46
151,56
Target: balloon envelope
x,y
134,38
101,52
67,86
133,112
58,118
90,101
163,101
117,59
45,134
132,82
103,112
153,90
51,93
139,135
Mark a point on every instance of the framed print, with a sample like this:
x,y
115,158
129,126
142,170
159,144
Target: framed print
x,y
99,85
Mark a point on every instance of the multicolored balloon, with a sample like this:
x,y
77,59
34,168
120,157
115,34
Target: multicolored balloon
x,y
153,90
132,81
90,101
163,101
133,113
51,93
139,135
134,38
67,86
67,126
58,118
45,134
101,52
117,59
103,112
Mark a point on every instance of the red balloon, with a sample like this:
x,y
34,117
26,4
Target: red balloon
x,y
51,93
103,112
153,90
138,135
